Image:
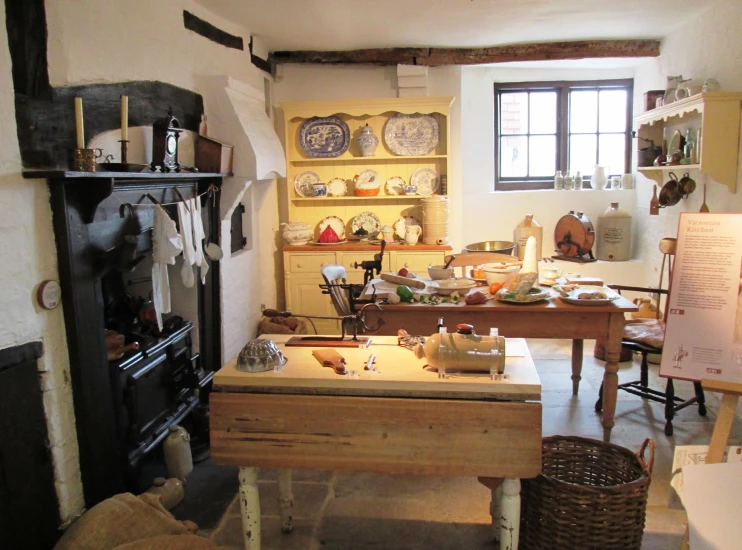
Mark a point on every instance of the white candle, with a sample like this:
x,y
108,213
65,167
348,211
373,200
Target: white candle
x,y
124,117
78,124
530,259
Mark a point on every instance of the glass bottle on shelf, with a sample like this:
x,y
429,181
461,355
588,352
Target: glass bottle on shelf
x,y
688,147
559,180
578,180
568,181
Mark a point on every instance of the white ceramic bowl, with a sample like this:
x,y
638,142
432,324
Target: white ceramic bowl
x,y
438,272
449,286
499,273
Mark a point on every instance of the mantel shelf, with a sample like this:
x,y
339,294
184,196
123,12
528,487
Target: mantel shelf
x,y
92,188
676,168
70,174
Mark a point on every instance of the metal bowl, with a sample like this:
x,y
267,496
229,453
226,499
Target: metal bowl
x,y
259,356
503,247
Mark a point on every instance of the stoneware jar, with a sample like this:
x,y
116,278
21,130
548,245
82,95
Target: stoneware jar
x,y
614,234
297,233
177,451
367,141
170,491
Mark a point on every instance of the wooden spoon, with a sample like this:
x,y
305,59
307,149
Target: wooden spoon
x,y
704,206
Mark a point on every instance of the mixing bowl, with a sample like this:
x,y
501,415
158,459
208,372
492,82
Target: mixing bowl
x,y
499,273
438,272
503,247
260,355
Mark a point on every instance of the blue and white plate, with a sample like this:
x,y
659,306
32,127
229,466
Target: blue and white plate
x,y
426,180
408,135
324,137
303,183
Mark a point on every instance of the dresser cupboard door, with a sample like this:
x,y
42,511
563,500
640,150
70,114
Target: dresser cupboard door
x,y
304,297
418,262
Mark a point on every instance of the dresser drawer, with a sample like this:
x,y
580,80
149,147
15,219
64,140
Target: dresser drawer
x,y
309,263
418,261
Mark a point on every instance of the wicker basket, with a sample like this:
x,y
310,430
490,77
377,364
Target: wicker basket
x,y
590,494
365,192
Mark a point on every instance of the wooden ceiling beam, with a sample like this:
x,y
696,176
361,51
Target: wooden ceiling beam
x,y
436,57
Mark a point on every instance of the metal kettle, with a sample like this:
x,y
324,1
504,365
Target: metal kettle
x,y
464,350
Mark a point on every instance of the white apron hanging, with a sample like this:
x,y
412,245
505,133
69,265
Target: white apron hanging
x,y
185,221
198,239
166,245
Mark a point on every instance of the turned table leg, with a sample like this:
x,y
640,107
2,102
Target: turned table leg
x,y
610,377
510,514
250,507
285,500
577,350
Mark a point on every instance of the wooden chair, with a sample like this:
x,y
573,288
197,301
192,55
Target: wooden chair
x,y
478,258
641,387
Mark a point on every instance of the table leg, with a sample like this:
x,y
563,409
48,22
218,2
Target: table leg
x,y
610,377
285,500
577,346
250,508
510,518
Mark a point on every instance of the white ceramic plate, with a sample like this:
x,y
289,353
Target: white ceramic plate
x,y
337,187
395,186
570,294
401,224
368,221
409,135
338,225
674,145
536,294
341,241
367,179
449,286
304,181
426,180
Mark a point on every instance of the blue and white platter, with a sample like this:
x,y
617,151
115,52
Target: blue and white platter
x,y
324,137
408,135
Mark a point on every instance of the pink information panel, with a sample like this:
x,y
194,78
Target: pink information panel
x,y
703,337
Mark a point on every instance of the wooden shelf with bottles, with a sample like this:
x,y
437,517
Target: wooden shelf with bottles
x,y
716,115
356,114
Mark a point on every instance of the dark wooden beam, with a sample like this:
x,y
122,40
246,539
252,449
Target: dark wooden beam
x,y
435,57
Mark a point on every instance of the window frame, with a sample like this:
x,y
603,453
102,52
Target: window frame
x,y
562,88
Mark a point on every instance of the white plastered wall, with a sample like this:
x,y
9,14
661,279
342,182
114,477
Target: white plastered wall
x,y
99,41
710,46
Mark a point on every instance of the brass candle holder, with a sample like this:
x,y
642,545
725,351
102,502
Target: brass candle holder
x,y
124,151
83,160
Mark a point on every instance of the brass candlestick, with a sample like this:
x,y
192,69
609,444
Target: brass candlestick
x,y
124,151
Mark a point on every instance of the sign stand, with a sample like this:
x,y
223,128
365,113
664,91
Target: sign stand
x,y
731,393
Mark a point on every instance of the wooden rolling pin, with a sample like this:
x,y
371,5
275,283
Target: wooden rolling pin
x,y
398,280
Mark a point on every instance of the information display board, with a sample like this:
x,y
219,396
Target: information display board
x,y
703,336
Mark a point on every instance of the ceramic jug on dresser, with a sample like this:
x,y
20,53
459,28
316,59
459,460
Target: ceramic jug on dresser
x,y
367,141
412,234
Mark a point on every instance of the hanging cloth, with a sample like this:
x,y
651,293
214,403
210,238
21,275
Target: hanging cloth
x,y
198,239
185,221
166,245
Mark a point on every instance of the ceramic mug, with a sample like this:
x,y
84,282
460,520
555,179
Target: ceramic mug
x,y
550,273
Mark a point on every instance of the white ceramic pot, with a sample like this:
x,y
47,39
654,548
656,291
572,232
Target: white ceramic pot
x,y
297,233
177,451
412,234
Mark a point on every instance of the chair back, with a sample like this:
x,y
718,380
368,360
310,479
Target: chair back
x,y
334,275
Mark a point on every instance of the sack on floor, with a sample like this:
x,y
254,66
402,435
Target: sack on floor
x,y
122,519
282,325
172,542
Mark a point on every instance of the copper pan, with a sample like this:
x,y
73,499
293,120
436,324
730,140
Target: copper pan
x,y
670,194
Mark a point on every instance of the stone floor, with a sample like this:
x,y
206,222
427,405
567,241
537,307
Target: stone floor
x,y
356,511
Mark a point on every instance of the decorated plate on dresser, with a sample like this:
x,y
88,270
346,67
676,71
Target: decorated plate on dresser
x,y
338,226
395,186
400,226
426,180
337,187
368,221
303,183
324,137
408,135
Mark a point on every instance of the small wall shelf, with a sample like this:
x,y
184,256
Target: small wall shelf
x,y
716,115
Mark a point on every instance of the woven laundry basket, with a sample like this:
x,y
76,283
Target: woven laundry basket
x,y
590,494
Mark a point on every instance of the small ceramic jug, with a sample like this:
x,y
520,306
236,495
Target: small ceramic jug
x,y
367,141
388,233
412,234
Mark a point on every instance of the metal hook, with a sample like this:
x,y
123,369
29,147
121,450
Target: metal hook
x,y
123,207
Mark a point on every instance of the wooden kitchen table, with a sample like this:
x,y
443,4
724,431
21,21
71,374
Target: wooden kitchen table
x,y
401,420
550,318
